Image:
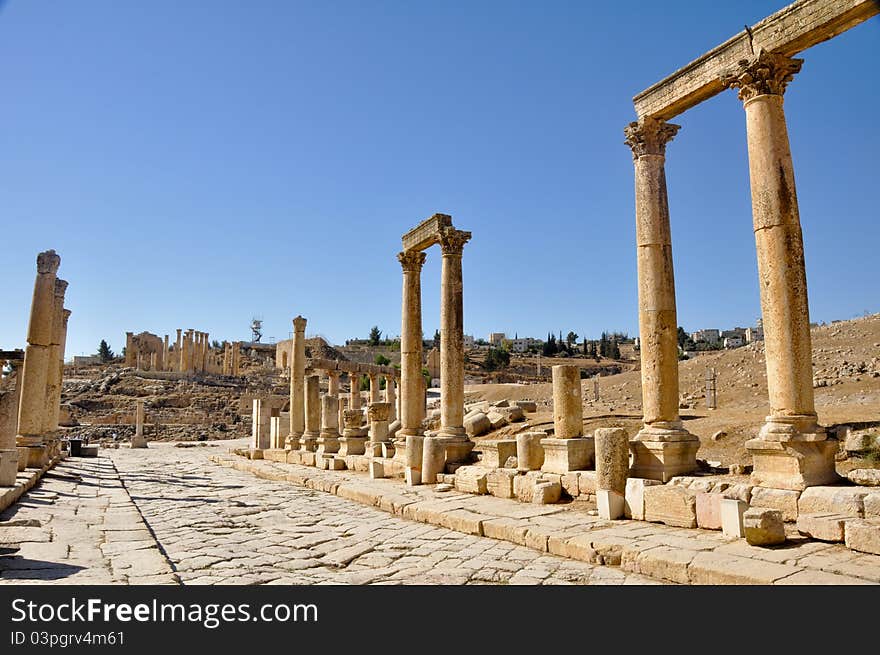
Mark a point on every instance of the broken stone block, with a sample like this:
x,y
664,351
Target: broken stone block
x,y
546,493
732,511
511,462
587,483
529,452
865,477
860,442
570,483
610,504
825,527
834,500
497,420
387,450
741,492
709,511
501,403
527,405
512,414
374,449
307,458
477,424
471,479
377,469
335,464
671,504
564,455
433,459
872,506
499,482
634,497
612,459
496,452
524,485
863,535
785,500
763,526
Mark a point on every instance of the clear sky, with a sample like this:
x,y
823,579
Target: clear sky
x,y
198,163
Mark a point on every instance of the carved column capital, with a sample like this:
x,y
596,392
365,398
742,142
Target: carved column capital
x,y
452,241
48,262
649,136
411,260
65,316
766,73
60,288
299,324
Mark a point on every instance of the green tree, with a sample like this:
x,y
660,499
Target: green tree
x,y
496,358
571,338
104,352
436,338
382,360
375,335
684,340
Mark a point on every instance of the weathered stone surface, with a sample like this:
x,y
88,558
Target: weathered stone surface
x,y
863,535
634,497
861,442
709,511
529,451
587,483
665,563
741,492
497,420
865,477
527,405
524,485
477,424
471,479
732,511
785,500
612,459
825,527
546,493
610,504
564,455
499,482
872,505
377,469
833,500
496,452
672,505
763,526
710,568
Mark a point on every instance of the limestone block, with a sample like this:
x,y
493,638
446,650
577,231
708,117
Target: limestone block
x,y
529,452
352,446
671,504
834,500
393,428
387,450
587,483
634,497
477,425
785,500
512,414
863,535
564,455
825,527
861,442
865,477
527,405
546,493
732,512
571,483
499,482
524,485
307,458
333,463
496,452
377,469
294,456
763,526
709,511
8,467
471,479
433,459
501,403
482,406
612,459
497,420
610,504
872,506
741,492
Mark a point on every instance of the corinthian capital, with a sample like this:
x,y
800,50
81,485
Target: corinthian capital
x,y
648,136
452,241
48,262
766,73
60,288
411,260
299,324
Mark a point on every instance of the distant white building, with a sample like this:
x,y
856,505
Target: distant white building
x,y
734,341
496,338
523,345
707,336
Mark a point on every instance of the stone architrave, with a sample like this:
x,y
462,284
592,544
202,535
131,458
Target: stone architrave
x,y
791,450
458,445
663,448
312,407
297,384
138,440
34,380
328,442
412,409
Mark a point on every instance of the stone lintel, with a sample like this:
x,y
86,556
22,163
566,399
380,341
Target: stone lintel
x,y
789,31
427,233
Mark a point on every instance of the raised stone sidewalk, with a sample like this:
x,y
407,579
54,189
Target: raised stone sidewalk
x,y
681,555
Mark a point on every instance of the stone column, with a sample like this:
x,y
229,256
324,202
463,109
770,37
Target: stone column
x,y
130,359
663,448
309,439
236,358
568,449
391,397
138,440
355,392
458,445
186,353
374,387
10,463
166,359
297,383
154,361
329,439
378,413
412,408
343,405
37,361
56,361
178,352
333,383
791,451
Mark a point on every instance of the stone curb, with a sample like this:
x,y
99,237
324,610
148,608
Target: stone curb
x,y
24,482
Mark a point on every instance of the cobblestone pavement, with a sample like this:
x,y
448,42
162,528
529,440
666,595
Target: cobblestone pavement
x,y
205,524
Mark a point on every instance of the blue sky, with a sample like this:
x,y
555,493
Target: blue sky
x,y
199,163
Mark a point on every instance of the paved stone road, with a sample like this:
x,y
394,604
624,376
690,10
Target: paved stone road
x,y
205,524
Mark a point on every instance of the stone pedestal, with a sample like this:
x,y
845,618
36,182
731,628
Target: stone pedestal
x,y
378,414
354,435
658,455
794,464
565,455
8,466
497,452
413,452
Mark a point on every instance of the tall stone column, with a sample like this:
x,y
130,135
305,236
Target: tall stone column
x,y
374,387
391,397
166,359
186,352
297,383
130,357
236,358
412,408
178,352
791,451
312,406
31,417
138,440
333,383
663,448
56,363
458,445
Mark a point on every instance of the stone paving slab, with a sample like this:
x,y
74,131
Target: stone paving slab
x,y
675,555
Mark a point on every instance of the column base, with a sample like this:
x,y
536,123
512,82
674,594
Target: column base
x,y
663,450
802,427
351,446
292,442
37,457
458,447
138,441
22,458
793,464
564,455
8,466
309,441
328,443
